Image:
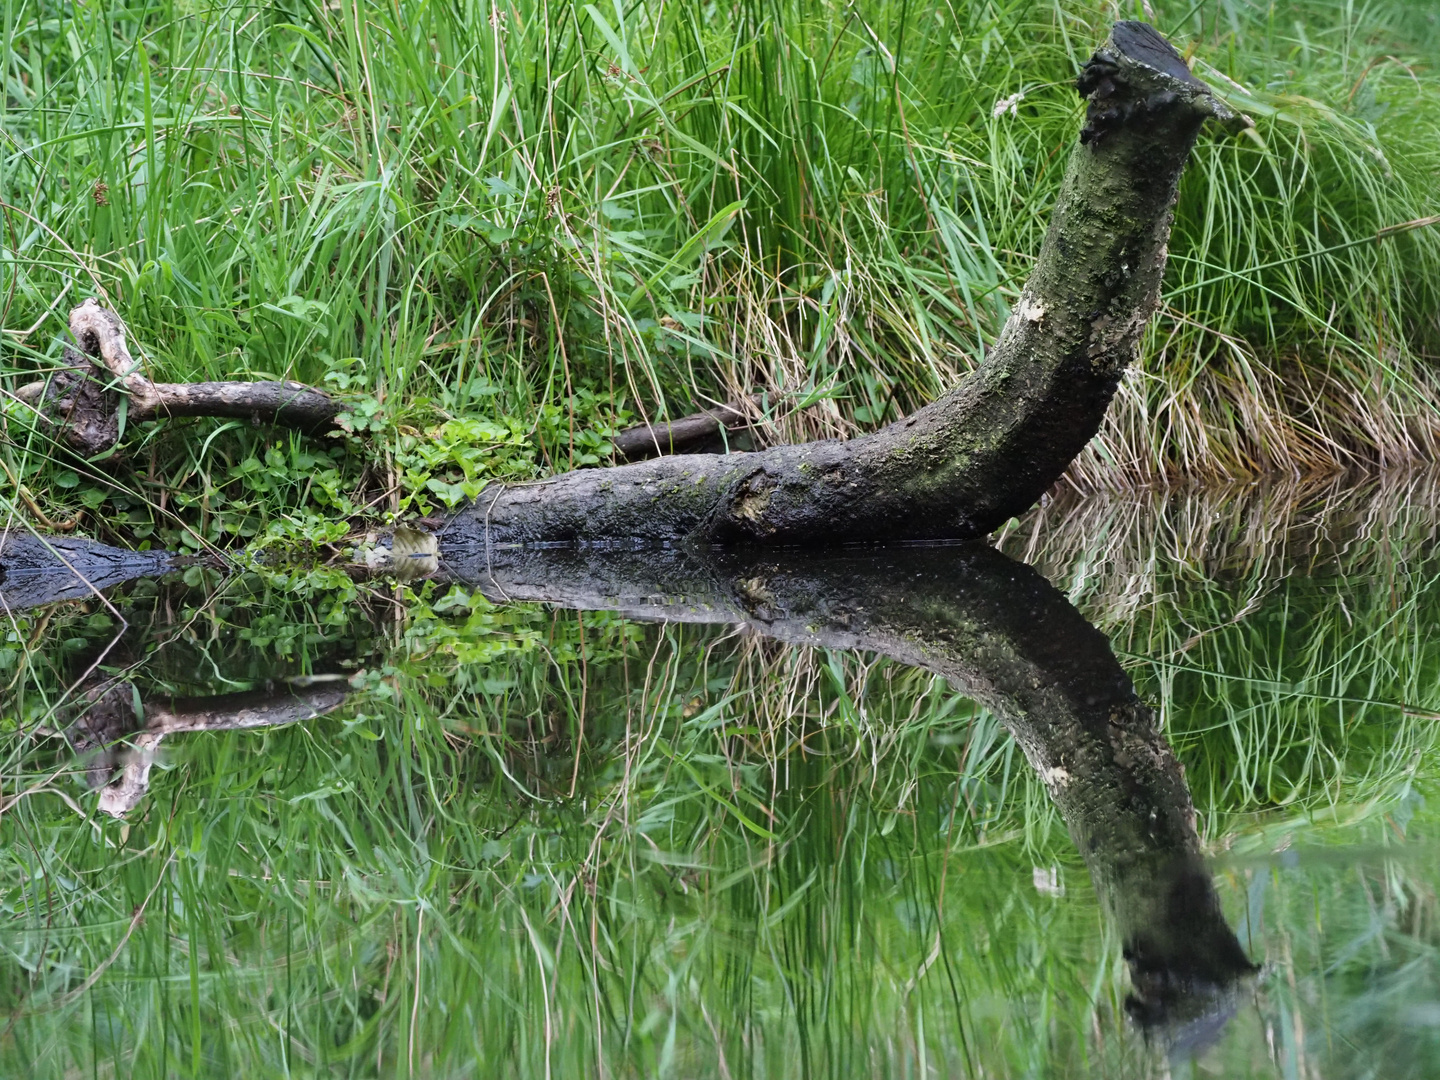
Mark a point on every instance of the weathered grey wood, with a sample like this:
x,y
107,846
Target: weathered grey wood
x,y
679,436
37,570
990,448
83,397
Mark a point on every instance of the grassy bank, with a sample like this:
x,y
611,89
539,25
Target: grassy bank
x,y
507,229
540,844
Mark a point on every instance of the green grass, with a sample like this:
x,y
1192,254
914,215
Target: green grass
x,y
1286,630
505,230
537,842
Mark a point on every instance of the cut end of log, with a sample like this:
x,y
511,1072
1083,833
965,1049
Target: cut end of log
x,y
1137,73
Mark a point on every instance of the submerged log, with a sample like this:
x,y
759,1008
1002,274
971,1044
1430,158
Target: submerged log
x,y
988,449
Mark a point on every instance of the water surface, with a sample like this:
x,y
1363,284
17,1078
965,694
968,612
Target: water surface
x,y
761,817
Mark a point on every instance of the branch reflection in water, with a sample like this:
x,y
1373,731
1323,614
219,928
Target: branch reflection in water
x,y
994,628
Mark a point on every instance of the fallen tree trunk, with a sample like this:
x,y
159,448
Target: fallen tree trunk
x,y
957,468
990,448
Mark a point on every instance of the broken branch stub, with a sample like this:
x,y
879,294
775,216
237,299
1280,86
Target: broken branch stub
x,y
83,397
989,448
684,435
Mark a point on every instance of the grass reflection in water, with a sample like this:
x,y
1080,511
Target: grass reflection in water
x,y
536,841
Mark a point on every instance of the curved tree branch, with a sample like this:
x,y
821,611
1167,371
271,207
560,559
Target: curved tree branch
x,y
85,404
988,449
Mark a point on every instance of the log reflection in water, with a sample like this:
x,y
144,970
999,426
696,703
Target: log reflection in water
x,y
37,570
106,721
1001,633
993,627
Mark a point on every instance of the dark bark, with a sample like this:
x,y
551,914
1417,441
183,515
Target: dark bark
x,y
682,436
987,450
38,570
958,468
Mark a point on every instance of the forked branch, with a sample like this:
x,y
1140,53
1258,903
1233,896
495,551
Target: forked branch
x,y
83,397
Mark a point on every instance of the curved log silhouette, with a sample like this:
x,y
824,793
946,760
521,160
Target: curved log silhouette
x,y
1001,633
988,449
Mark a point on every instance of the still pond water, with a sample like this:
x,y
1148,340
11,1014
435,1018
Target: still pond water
x,y
1153,793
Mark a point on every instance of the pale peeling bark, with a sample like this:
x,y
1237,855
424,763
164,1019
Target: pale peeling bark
x,y
990,448
85,404
122,746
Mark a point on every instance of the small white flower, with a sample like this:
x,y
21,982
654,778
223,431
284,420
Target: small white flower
x,y
1047,881
1008,104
